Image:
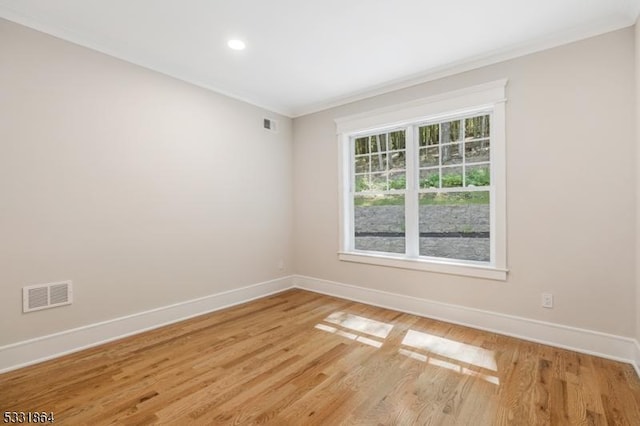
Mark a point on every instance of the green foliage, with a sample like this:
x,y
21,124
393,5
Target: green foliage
x,y
451,180
361,184
478,177
475,177
398,182
433,181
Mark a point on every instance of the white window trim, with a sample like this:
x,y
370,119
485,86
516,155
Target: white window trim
x,y
488,95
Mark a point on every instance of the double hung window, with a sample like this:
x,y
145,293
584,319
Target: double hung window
x,y
423,185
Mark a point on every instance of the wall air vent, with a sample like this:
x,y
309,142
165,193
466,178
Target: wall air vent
x,y
270,125
44,296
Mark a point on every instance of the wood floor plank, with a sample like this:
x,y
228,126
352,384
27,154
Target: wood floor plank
x,y
299,357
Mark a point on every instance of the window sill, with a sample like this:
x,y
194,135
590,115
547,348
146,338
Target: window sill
x,y
439,266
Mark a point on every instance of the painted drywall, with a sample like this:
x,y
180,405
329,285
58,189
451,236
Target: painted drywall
x,y
570,190
142,189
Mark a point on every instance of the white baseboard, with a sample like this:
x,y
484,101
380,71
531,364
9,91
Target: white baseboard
x,y
636,358
590,342
24,353
21,354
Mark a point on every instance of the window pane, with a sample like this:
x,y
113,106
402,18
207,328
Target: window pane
x,y
451,154
429,156
455,225
450,131
380,169
379,162
396,140
429,135
477,151
373,143
378,182
397,180
478,175
362,164
476,127
451,177
429,178
382,142
397,160
362,145
379,223
362,183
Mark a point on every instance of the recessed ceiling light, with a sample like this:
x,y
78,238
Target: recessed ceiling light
x,y
236,44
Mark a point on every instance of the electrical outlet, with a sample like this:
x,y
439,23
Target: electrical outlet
x,y
547,300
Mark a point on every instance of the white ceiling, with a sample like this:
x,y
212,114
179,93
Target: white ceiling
x,y
306,55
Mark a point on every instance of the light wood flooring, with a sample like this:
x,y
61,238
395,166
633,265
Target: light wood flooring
x,y
300,358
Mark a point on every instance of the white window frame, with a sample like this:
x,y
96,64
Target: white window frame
x,y
488,97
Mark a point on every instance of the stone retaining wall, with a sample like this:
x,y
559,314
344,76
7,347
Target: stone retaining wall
x,y
433,219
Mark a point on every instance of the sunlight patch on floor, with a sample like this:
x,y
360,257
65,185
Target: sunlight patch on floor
x,y
448,348
361,324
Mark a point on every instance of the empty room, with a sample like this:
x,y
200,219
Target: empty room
x,y
320,212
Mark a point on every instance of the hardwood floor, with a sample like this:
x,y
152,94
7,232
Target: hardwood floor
x,y
300,358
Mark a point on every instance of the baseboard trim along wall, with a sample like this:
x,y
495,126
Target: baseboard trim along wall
x,y
590,342
636,358
32,351
28,352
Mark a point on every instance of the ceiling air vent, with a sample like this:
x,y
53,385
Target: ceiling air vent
x,y
44,296
270,125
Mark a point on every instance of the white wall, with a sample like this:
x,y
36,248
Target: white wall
x,y
147,191
571,190
143,190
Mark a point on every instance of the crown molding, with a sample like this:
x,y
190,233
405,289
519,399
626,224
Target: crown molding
x,y
490,58
626,18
